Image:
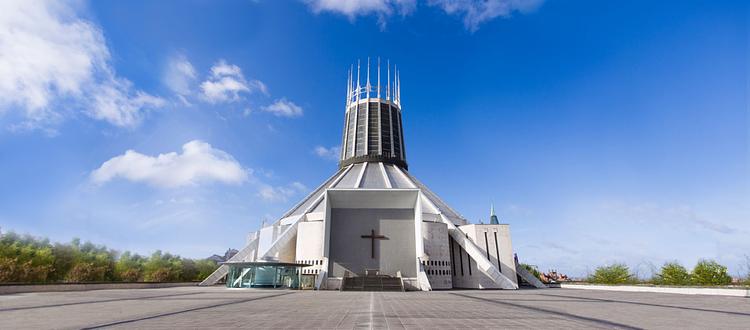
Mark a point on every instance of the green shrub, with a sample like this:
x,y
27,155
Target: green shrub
x,y
28,259
163,267
130,275
86,272
65,259
25,259
205,268
672,273
7,269
162,274
129,267
710,272
189,270
614,274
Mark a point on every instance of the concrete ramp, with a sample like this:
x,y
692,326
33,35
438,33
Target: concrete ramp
x,y
529,277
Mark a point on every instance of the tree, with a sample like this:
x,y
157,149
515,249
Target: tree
x,y
189,270
86,272
65,259
25,258
28,259
672,273
162,267
129,267
7,270
710,272
614,274
205,268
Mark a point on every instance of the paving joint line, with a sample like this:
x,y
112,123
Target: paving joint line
x,y
554,312
96,301
151,317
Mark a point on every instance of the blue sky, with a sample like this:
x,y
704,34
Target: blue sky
x,y
603,132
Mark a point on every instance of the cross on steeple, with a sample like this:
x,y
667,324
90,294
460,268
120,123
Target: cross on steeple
x,y
372,238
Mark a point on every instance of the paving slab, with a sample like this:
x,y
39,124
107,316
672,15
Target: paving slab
x,y
218,307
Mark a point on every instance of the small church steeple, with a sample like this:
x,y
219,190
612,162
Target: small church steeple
x,y
493,217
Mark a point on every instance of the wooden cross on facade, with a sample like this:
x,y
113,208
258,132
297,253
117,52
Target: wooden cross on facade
x,y
372,238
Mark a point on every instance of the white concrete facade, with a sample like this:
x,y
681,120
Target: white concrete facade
x,y
355,203
309,247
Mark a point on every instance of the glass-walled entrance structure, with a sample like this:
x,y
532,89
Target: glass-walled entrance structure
x,y
264,274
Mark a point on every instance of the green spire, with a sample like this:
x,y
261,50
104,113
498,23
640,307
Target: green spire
x,y
493,217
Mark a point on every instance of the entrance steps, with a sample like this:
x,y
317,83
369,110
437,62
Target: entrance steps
x,y
373,283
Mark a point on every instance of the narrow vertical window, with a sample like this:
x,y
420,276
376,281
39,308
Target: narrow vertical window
x,y
497,252
487,247
461,259
468,260
453,259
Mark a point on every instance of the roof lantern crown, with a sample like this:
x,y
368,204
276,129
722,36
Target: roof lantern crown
x,y
373,131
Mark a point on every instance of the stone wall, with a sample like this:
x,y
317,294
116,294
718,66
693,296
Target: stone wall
x,y
438,267
21,288
349,251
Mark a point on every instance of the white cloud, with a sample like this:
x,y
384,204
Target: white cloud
x,y
226,82
198,163
474,12
179,75
284,108
332,153
281,193
354,8
53,61
108,102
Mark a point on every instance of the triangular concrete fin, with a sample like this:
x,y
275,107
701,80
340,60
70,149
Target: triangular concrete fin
x,y
483,264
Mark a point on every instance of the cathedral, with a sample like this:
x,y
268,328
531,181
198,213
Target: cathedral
x,y
372,225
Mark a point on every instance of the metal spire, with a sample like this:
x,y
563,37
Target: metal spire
x,y
357,79
378,76
492,209
399,89
388,84
348,88
395,74
368,77
396,81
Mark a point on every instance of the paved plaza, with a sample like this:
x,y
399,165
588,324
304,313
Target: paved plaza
x,y
218,307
